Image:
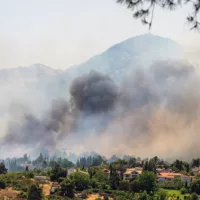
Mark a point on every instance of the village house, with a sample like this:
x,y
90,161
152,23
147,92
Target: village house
x,y
132,172
106,172
162,170
170,177
70,171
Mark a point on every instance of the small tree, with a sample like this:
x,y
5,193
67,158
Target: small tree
x,y
143,196
195,186
2,184
57,173
114,178
147,181
194,196
162,195
35,192
81,180
27,169
124,185
3,169
135,186
67,188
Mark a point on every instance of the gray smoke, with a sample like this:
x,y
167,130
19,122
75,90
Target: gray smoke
x,y
153,112
27,130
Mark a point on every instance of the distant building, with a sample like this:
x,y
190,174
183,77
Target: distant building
x,y
170,177
162,170
70,171
132,172
106,171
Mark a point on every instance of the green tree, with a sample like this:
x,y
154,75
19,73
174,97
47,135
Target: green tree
x,y
196,162
135,186
44,164
147,181
3,169
152,165
194,196
67,188
2,184
143,196
57,173
132,162
26,169
114,178
91,172
195,186
81,180
52,164
187,167
100,180
162,195
35,192
124,185
145,166
177,182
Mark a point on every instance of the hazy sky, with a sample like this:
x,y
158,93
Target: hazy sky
x,y
60,33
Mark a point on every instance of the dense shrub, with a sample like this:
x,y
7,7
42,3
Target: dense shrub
x,y
124,185
22,195
81,180
194,196
2,184
183,190
35,192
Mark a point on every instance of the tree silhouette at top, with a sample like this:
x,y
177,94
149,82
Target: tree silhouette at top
x,y
144,9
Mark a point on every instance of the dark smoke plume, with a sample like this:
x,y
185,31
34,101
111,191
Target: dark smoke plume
x,y
94,93
95,96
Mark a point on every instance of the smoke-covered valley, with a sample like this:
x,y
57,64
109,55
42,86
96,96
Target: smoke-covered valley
x,y
137,98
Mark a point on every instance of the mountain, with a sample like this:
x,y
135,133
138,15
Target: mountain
x,y
119,59
37,85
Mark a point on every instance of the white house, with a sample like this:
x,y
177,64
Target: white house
x,y
132,172
170,176
70,171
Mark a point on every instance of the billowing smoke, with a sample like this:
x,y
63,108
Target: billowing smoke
x,y
94,93
155,111
27,130
94,97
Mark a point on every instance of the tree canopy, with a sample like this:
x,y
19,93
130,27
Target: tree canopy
x,y
144,9
3,169
35,192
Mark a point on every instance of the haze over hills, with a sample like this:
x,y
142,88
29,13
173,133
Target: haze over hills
x,y
34,88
